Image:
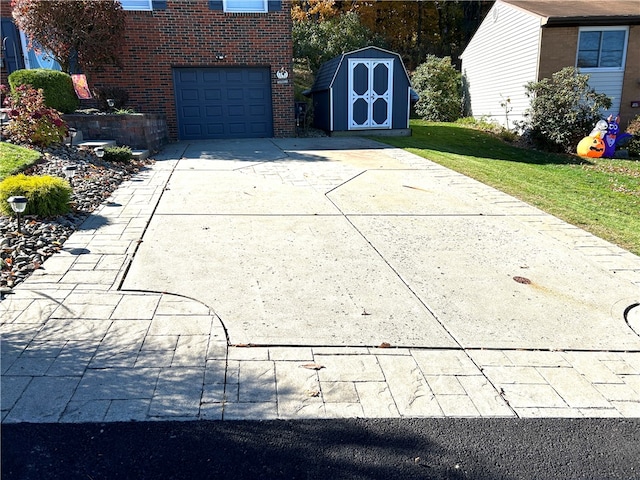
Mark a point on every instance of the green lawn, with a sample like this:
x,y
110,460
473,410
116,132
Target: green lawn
x,y
601,196
14,159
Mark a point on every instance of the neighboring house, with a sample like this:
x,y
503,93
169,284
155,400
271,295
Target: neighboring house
x,y
214,68
523,41
367,90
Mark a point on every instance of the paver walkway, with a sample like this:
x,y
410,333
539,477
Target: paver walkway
x,y
77,347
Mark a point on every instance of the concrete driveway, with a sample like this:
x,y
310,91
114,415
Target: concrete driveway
x,y
342,242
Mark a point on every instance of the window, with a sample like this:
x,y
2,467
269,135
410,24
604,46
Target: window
x,y
136,5
36,57
602,48
245,6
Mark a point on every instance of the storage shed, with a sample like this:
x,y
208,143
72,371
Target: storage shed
x,y
366,91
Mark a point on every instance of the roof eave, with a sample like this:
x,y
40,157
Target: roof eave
x,y
588,21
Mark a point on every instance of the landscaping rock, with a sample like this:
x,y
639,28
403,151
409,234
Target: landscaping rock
x,y
93,183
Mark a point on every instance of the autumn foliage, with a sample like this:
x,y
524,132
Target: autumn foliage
x,y
81,34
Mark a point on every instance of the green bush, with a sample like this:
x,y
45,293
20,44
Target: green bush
x,y
564,109
117,154
46,196
439,85
634,144
57,86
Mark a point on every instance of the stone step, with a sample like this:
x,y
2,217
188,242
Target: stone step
x,y
96,143
140,154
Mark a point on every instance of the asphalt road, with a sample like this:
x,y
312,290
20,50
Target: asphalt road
x,y
326,449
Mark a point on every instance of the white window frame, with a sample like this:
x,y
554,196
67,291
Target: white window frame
x,y
235,6
604,29
140,5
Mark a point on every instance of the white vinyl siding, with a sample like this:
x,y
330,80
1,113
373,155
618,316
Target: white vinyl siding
x,y
144,5
500,60
609,83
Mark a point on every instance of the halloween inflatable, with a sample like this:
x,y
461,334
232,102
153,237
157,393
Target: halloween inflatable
x,y
592,147
603,139
612,138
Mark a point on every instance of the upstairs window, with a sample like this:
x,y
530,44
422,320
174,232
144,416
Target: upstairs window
x,y
144,5
602,48
245,6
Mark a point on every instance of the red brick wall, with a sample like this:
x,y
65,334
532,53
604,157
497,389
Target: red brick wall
x,y
189,34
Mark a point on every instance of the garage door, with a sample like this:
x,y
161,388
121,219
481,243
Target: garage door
x,y
223,102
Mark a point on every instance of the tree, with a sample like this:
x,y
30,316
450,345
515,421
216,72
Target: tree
x,y
320,41
415,28
439,85
563,110
80,34
313,9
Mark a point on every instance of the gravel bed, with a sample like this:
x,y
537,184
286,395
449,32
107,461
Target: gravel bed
x,y
93,183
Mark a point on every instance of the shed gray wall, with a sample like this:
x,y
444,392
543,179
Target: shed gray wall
x,y
321,114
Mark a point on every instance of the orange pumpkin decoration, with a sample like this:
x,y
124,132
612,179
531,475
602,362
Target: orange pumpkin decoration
x,y
592,147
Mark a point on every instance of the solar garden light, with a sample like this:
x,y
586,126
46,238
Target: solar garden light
x,y
18,205
99,151
111,102
69,171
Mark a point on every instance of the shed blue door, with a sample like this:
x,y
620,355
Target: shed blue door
x,y
223,102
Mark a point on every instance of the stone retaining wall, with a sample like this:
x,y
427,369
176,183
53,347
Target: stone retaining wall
x,y
138,131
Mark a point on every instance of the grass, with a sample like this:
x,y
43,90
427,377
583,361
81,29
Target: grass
x,y
14,159
601,196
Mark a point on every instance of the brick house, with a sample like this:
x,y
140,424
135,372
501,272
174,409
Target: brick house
x,y
527,40
213,68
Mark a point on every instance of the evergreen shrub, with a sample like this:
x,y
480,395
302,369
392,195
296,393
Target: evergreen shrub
x,y
57,87
46,196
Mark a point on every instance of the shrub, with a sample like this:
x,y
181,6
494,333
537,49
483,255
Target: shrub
x,y
57,87
564,109
117,154
32,121
439,85
119,95
46,196
634,144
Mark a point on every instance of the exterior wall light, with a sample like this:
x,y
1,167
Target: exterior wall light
x,y
18,205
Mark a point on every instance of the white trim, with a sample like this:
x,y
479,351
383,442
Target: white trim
x,y
137,5
240,8
604,29
331,109
408,105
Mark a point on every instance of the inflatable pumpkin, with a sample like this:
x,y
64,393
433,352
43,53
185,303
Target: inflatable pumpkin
x,y
592,147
